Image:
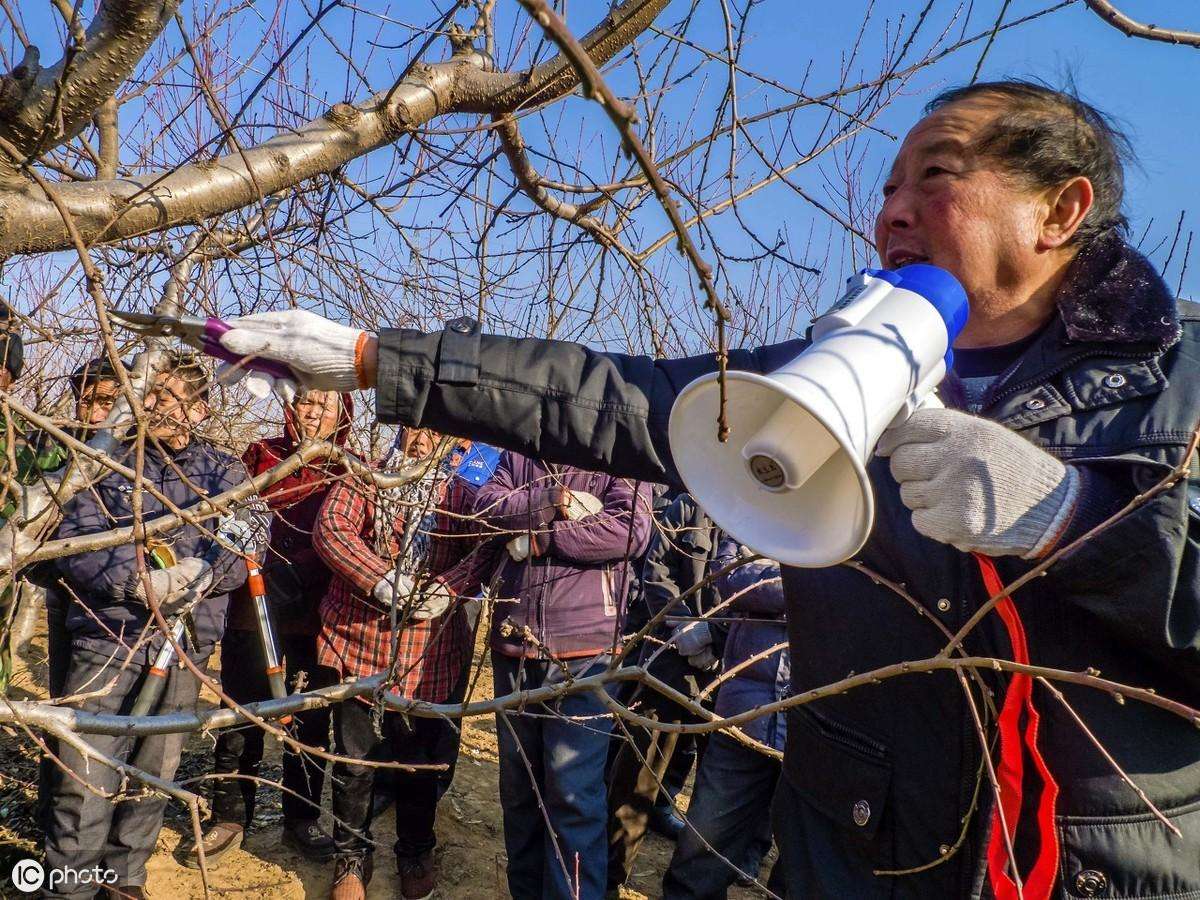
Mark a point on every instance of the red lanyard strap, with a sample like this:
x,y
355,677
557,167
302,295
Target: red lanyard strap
x,y
1010,772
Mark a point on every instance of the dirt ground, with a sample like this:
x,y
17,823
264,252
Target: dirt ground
x,y
470,850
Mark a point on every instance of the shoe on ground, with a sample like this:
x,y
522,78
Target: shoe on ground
x,y
663,821
351,875
309,839
418,878
218,841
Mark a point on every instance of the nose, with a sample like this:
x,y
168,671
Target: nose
x,y
897,212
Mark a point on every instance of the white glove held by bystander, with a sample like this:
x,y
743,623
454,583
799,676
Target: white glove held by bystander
x,y
175,587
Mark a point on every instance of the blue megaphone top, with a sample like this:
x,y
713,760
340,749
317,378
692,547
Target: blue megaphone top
x,y
940,288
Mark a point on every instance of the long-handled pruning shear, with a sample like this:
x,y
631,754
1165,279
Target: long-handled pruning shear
x,y
203,333
156,679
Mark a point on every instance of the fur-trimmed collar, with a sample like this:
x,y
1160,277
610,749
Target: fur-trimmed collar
x,y
1112,294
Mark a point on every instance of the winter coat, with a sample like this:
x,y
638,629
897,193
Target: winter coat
x,y
296,577
571,594
757,592
888,773
680,551
104,581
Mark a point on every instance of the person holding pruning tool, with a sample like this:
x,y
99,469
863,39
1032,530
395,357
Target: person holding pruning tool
x,y
185,574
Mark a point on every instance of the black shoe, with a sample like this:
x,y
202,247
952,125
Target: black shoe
x,y
351,875
664,822
309,839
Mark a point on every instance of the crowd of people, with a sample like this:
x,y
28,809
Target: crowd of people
x,y
360,580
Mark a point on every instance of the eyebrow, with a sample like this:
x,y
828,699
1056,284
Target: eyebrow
x,y
943,144
940,145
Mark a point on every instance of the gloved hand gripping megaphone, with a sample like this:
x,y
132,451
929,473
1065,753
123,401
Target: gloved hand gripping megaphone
x,y
791,481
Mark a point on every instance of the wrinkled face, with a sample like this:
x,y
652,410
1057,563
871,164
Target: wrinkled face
x,y
946,205
173,410
317,413
96,401
418,443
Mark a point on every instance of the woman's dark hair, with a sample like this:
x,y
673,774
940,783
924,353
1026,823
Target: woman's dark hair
x,y
1047,137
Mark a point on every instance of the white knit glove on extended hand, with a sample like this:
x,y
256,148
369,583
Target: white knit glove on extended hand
x,y
693,640
177,586
433,600
978,486
319,351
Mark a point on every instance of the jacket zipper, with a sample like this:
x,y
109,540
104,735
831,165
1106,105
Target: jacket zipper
x,y
841,734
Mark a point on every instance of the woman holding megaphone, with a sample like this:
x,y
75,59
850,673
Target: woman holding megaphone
x,y
1072,389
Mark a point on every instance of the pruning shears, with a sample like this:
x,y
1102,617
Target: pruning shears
x,y
203,333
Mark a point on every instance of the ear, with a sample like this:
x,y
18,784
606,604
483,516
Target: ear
x,y
1066,207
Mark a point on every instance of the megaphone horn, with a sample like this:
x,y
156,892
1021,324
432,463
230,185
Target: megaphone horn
x,y
791,483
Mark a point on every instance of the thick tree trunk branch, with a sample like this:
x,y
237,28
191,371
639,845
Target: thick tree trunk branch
x,y
116,209
42,108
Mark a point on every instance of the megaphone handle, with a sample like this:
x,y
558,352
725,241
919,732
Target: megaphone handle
x,y
931,401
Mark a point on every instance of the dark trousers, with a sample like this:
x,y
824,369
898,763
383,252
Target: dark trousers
x,y
413,740
84,828
633,786
239,750
733,791
58,662
564,746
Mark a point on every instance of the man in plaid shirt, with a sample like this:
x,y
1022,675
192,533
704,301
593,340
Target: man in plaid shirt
x,y
414,548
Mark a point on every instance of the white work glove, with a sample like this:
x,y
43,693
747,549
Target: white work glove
x,y
978,486
580,505
694,640
177,586
433,600
391,586
319,351
239,534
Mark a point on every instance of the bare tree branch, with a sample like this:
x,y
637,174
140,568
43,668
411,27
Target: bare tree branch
x,y
1133,28
106,211
42,108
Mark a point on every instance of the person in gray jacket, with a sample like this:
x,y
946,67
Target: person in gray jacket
x,y
94,818
1086,396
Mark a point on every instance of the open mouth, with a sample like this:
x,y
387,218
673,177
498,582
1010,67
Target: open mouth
x,y
904,258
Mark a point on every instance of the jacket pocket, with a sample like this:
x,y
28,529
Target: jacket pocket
x,y
1131,856
607,591
846,776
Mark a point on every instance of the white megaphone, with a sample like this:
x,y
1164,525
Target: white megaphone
x,y
791,481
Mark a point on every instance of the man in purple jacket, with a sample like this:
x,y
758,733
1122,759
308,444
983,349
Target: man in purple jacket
x,y
561,583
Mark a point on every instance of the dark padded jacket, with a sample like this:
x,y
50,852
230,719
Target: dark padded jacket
x,y
105,581
1111,383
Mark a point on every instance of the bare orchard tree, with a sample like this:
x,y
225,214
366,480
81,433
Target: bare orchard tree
x,y
600,178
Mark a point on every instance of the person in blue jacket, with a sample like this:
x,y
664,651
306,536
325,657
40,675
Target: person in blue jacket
x,y
735,783
96,816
